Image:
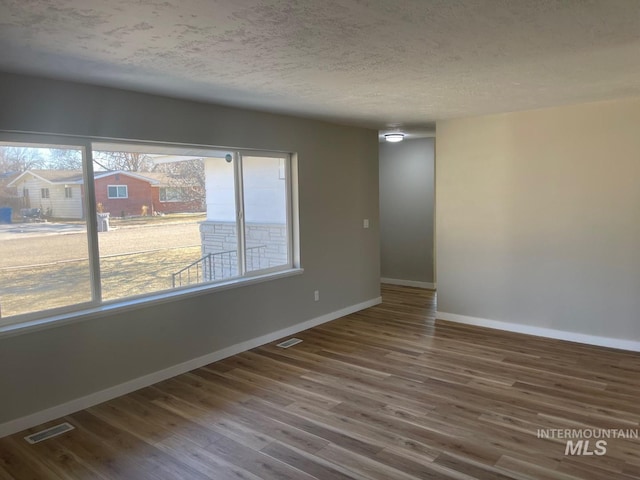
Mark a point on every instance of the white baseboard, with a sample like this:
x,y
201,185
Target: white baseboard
x,y
631,345
408,283
67,408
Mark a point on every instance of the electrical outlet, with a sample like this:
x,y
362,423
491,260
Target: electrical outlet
x,y
316,295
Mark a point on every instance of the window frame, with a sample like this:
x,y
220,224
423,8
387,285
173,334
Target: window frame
x,y
289,199
118,187
45,193
68,192
44,317
96,307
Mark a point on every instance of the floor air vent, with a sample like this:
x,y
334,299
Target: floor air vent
x,y
48,433
289,343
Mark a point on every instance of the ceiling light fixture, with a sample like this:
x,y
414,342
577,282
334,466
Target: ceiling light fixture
x,y
394,137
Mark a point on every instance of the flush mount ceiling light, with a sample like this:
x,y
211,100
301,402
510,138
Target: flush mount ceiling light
x,y
394,137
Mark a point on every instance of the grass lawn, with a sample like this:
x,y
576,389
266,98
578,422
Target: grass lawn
x,y
67,283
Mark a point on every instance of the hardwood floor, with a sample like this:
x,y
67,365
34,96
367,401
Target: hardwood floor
x,y
386,393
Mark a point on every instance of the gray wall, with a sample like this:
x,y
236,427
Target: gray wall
x,y
538,218
406,210
338,185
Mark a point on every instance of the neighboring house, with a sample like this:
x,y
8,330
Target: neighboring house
x,y
127,193
59,193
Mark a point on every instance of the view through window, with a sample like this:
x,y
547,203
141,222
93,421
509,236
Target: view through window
x,y
44,260
166,217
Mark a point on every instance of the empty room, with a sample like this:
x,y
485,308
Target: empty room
x,y
320,239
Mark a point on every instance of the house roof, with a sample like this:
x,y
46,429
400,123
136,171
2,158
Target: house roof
x,y
146,176
59,177
52,176
156,179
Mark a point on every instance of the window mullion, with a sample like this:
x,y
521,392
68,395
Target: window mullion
x,y
288,168
240,228
92,223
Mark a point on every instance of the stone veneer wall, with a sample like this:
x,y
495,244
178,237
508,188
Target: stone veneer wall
x,y
219,237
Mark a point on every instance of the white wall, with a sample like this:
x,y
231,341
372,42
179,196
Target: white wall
x,y
338,187
264,190
538,218
220,190
265,195
406,211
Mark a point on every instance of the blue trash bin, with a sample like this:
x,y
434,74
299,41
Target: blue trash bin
x,y
5,215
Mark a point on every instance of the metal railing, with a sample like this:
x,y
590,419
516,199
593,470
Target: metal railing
x,y
256,258
218,265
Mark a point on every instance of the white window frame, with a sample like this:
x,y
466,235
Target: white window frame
x,y
42,318
287,171
45,193
68,192
118,187
96,307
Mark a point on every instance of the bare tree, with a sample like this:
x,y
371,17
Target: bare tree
x,y
65,159
188,176
125,161
19,159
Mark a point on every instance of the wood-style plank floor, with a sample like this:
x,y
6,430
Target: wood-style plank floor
x,y
386,393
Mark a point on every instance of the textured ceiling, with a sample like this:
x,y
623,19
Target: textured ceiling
x,y
375,63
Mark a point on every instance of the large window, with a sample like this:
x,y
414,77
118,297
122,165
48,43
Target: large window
x,y
161,218
43,264
175,194
265,212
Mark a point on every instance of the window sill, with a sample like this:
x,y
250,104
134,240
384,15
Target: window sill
x,y
13,329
